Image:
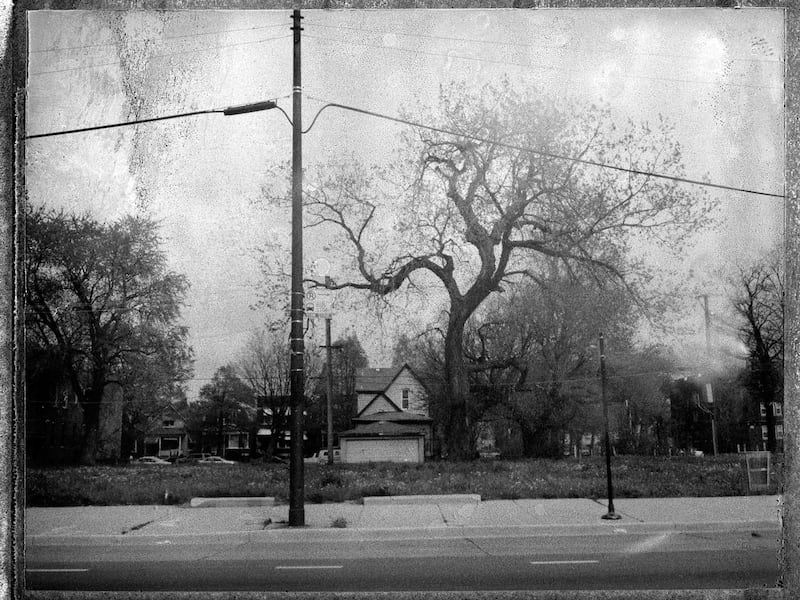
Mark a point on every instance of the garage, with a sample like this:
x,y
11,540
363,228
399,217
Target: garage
x,y
382,442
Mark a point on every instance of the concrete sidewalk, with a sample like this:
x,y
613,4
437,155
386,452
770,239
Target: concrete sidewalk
x,y
440,516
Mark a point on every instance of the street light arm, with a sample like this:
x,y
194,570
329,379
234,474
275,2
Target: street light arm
x,y
230,110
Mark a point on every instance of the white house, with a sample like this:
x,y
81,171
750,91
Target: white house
x,y
392,423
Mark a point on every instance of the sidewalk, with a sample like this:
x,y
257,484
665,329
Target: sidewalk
x,y
430,516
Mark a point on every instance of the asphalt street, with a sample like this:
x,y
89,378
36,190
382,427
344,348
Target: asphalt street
x,y
618,558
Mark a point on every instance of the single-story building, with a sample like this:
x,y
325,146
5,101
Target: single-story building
x,y
383,441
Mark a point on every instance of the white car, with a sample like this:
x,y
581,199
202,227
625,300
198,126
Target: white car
x,y
215,460
321,457
151,460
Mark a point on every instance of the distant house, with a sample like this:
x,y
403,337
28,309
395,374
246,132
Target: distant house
x,y
392,421
226,439
167,436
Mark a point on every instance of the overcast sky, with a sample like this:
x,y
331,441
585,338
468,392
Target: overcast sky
x,y
716,73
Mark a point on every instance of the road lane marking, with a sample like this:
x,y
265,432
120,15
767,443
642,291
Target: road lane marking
x,y
292,567
56,570
564,562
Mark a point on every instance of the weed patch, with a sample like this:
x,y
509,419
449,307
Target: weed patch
x,y
634,476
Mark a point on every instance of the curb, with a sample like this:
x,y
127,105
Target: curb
x,y
422,499
334,535
231,502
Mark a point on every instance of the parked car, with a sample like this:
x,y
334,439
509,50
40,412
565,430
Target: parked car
x,y
215,460
192,457
321,457
150,460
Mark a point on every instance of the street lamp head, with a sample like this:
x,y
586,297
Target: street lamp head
x,y
248,108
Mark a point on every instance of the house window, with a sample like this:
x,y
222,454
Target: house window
x,y
764,432
169,423
777,409
405,399
763,409
779,431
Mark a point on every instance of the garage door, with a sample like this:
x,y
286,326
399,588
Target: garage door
x,y
373,450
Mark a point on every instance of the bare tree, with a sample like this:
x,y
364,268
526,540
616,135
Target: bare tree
x,y
264,367
759,302
486,193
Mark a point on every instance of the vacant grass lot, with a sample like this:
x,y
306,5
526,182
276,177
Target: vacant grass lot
x,y
633,476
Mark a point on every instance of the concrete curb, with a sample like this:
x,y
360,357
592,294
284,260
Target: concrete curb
x,y
329,534
231,502
423,499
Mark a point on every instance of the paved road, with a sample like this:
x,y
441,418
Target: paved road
x,y
619,559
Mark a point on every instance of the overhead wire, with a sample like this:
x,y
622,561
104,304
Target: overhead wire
x,y
453,56
532,150
167,37
165,55
312,23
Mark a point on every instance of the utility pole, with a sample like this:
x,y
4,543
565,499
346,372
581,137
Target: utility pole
x,y
297,516
712,408
329,387
708,323
610,514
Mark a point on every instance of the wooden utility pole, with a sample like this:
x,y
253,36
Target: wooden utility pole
x,y
297,372
329,387
611,515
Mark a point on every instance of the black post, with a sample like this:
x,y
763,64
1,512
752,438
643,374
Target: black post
x,y
329,388
296,486
610,514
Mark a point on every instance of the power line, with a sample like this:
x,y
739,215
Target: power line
x,y
168,37
430,128
166,55
533,150
520,44
530,65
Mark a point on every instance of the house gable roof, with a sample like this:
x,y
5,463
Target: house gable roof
x,y
377,397
375,380
380,380
166,410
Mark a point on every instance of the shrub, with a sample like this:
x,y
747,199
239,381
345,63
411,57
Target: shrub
x,y
375,490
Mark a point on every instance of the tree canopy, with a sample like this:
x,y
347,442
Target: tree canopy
x,y
501,182
101,298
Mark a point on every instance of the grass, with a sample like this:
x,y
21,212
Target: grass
x,y
633,477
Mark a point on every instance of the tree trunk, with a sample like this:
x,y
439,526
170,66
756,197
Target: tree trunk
x,y
530,441
91,426
459,438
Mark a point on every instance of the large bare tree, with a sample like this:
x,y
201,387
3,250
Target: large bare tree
x,y
264,367
759,302
503,178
